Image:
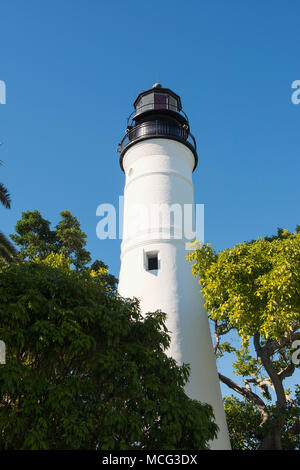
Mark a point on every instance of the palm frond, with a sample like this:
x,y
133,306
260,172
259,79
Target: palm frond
x,y
4,196
7,249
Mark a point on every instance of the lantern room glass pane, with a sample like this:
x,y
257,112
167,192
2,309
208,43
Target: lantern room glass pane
x,y
160,101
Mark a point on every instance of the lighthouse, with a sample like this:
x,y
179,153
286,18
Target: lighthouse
x,y
158,156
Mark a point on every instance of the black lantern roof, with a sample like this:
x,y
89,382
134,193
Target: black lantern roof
x,y
157,89
159,99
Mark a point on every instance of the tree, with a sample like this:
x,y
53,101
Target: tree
x,y
101,268
71,240
7,250
85,370
253,289
35,237
244,423
4,194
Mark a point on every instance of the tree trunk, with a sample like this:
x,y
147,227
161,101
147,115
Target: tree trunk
x,y
271,441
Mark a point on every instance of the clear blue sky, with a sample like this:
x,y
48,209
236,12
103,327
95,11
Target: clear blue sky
x,y
73,69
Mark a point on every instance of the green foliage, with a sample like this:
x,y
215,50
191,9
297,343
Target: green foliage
x,y
35,237
244,424
71,240
243,421
253,289
8,252
85,370
101,270
4,194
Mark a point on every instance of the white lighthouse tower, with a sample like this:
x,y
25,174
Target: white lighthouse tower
x,y
158,156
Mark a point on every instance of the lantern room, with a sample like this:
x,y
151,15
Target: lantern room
x,y
157,114
157,98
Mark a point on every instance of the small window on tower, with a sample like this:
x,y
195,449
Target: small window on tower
x,y
152,261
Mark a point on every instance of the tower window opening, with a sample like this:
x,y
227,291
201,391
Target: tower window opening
x,y
152,262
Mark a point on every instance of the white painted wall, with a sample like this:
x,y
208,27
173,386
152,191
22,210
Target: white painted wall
x,y
160,171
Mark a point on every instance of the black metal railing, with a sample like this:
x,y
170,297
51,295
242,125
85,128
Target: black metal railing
x,y
156,128
157,107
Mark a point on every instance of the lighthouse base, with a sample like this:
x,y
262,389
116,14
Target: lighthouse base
x,y
173,289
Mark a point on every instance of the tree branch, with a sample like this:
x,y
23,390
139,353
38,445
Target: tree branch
x,y
247,393
217,337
